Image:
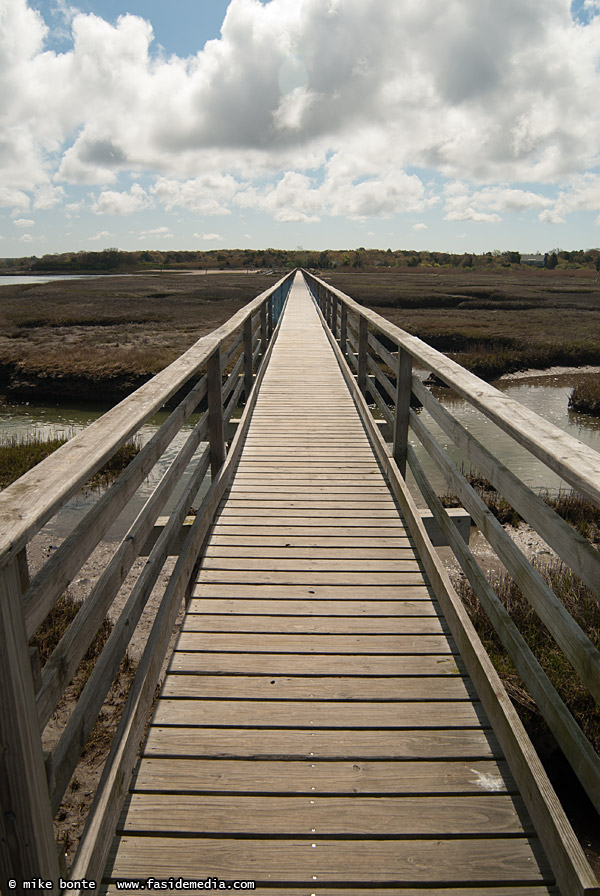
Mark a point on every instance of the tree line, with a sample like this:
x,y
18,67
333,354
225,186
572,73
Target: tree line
x,y
117,261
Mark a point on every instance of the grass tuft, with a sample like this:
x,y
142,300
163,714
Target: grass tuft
x,y
583,607
585,398
20,453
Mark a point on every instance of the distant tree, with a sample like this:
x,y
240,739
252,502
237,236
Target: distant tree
x,y
550,261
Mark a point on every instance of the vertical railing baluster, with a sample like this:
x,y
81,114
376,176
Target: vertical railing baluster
x,y
344,329
216,429
248,366
403,391
362,354
27,845
264,338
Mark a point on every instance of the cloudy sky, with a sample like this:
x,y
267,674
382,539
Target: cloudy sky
x,y
462,125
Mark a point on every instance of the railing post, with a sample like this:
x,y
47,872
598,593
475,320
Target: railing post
x,y
263,328
248,367
344,329
403,390
269,305
216,429
334,316
362,354
27,845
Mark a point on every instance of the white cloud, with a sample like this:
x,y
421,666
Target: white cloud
x,y
162,232
24,222
210,237
48,197
306,108
420,226
11,198
101,235
26,238
110,202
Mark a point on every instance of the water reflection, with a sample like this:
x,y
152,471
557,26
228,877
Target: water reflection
x,y
544,394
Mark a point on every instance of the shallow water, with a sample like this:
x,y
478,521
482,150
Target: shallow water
x,y
24,279
544,394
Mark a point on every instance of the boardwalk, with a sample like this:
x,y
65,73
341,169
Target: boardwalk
x,y
316,732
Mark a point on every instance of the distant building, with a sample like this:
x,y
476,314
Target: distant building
x,y
536,260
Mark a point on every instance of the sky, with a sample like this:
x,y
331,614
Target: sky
x,y
460,126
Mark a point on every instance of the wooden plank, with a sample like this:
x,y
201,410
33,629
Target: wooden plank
x,y
414,591
406,861
309,644
347,744
316,552
312,577
404,816
275,713
320,664
314,608
316,564
481,889
350,542
307,529
337,625
323,776
305,687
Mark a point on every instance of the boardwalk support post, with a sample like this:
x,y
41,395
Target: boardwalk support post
x,y
26,834
216,429
401,422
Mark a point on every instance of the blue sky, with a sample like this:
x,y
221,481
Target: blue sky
x,y
468,126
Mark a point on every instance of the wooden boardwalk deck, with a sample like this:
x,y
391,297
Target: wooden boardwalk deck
x,y
316,732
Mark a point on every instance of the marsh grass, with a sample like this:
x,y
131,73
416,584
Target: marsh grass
x,y
585,398
100,339
583,607
489,322
20,453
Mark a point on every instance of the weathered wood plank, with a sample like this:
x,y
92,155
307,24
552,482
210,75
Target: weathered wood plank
x,y
316,564
276,713
267,687
288,743
310,577
309,644
340,625
404,816
413,591
409,861
319,664
314,608
324,776
481,889
287,551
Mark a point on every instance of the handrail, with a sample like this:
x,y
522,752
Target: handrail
x,y
371,362
211,376
567,456
573,873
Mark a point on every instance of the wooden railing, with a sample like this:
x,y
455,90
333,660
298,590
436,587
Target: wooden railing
x,y
380,359
209,381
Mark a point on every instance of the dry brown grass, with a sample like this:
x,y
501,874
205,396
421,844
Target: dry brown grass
x,y
99,339
490,322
